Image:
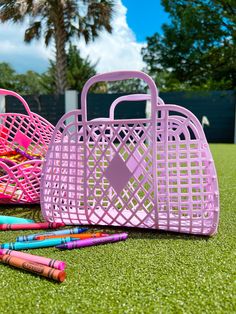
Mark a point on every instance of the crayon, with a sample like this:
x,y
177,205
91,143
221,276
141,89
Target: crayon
x,y
32,226
34,244
36,259
49,272
95,241
14,220
32,237
79,236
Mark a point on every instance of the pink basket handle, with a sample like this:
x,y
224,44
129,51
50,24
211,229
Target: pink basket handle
x,y
6,92
133,97
118,76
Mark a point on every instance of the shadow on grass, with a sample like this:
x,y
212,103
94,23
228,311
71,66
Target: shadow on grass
x,y
34,212
142,233
22,211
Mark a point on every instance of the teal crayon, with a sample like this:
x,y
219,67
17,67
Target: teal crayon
x,y
32,237
35,244
14,220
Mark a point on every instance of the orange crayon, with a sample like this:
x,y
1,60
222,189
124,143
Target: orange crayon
x,y
79,236
39,269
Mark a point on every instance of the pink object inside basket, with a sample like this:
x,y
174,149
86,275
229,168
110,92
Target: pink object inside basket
x,y
154,173
31,133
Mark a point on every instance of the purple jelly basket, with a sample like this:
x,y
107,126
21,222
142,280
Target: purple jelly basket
x,y
154,173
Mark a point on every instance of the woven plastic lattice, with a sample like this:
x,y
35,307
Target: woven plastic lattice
x,y
31,133
150,173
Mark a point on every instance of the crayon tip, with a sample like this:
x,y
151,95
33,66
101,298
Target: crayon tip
x,y
61,265
59,224
61,247
61,276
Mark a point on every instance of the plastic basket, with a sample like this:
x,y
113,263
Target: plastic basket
x,y
151,173
30,133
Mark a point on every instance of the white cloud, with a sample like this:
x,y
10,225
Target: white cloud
x,y
21,56
116,51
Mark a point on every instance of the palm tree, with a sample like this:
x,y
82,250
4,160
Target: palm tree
x,y
60,20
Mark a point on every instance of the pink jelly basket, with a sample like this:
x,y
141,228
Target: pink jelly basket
x,y
154,173
31,134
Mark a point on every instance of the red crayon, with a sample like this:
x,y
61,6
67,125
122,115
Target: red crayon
x,y
32,226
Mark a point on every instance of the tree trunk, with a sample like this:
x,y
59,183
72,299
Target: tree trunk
x,y
61,59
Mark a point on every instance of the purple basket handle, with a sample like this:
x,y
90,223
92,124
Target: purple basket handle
x,y
6,92
118,76
133,97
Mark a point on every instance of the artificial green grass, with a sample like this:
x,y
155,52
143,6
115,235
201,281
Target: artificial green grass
x,y
151,272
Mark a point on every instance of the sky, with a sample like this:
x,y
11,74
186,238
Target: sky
x,y
132,23
145,21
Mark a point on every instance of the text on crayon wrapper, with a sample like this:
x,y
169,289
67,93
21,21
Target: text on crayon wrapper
x,y
34,267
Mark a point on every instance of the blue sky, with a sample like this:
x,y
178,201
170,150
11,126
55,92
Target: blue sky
x,y
132,23
145,20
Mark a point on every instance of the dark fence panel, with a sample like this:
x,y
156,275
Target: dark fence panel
x,y
218,106
49,107
99,104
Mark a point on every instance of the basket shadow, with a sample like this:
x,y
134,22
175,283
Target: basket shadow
x,y
142,233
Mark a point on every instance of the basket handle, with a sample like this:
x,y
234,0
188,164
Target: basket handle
x,y
118,76
6,92
133,97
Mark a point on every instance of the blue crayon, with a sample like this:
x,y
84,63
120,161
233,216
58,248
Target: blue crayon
x,y
35,244
32,237
14,220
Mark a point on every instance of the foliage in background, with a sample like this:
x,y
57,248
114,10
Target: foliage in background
x,y
60,21
27,83
7,77
131,86
197,49
30,83
79,70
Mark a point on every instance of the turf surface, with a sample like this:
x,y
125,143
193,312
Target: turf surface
x,y
151,272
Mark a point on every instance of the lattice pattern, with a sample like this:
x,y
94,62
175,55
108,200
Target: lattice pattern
x,y
31,133
150,173
135,194
62,180
21,183
188,199
109,177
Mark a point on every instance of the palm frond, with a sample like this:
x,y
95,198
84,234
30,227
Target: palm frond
x,y
98,17
11,10
48,36
33,32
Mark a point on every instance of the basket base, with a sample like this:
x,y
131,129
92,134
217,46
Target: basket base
x,y
162,220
